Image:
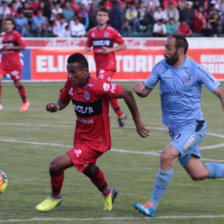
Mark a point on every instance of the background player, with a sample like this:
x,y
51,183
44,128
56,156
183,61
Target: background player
x,y
181,81
12,44
102,38
90,98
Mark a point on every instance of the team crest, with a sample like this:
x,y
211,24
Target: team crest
x,y
93,35
10,37
71,92
106,34
87,95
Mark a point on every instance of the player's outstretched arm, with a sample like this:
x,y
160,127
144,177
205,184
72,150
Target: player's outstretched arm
x,y
87,49
54,107
219,92
121,47
130,101
140,89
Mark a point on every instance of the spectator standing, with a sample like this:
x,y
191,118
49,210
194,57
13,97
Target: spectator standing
x,y
13,10
171,26
21,24
68,12
184,29
151,5
34,5
83,15
117,17
159,29
188,13
131,16
4,11
172,12
77,29
92,15
55,12
39,25
159,14
198,23
59,28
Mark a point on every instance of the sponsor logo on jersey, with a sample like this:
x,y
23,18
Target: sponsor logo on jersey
x,y
87,95
106,34
71,92
106,86
187,145
102,42
78,152
87,109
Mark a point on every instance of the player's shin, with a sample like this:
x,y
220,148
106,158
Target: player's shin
x,y
163,179
57,180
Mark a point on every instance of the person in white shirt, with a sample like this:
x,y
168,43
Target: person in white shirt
x,y
77,29
159,29
59,28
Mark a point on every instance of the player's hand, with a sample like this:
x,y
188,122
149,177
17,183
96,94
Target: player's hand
x,y
7,47
106,50
87,49
142,130
138,87
51,107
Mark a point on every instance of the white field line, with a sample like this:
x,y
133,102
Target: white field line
x,y
72,126
153,153
110,218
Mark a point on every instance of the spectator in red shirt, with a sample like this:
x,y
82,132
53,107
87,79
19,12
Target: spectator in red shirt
x,y
198,23
35,5
184,29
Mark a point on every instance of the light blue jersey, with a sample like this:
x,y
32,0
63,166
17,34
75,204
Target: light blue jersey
x,y
180,91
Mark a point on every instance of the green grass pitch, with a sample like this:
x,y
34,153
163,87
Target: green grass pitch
x,y
30,140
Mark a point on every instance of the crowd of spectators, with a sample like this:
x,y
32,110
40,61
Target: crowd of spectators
x,y
73,18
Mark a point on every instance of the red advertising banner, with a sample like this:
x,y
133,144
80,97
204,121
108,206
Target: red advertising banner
x,y
132,64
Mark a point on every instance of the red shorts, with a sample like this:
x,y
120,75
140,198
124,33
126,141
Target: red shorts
x,y
14,73
82,155
105,75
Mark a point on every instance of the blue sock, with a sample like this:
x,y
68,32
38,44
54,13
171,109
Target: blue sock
x,y
215,170
163,179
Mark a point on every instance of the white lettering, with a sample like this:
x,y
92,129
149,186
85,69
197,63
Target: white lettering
x,y
51,67
128,63
41,63
141,63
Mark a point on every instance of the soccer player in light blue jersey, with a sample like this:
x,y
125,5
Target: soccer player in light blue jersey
x,y
181,81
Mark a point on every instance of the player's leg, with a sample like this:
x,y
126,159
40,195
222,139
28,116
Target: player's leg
x,y
16,76
199,171
1,78
168,157
57,167
107,76
97,177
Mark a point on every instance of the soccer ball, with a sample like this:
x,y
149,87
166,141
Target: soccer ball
x,y
3,181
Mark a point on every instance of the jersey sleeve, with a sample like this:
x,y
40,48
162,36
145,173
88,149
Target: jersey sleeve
x,y
89,40
207,79
153,79
109,90
20,40
64,92
118,38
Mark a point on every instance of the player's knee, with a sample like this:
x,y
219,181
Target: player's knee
x,y
54,168
165,157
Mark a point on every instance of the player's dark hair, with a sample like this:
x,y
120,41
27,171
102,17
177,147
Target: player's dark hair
x,y
181,41
79,58
9,19
103,9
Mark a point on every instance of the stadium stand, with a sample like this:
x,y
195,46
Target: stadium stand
x,y
136,18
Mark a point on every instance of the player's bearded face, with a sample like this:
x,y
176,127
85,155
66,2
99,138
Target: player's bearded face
x,y
172,59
